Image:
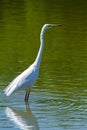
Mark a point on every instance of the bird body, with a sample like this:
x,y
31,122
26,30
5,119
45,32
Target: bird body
x,y
23,81
27,78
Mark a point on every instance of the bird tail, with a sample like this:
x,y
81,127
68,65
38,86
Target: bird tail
x,y
10,88
8,91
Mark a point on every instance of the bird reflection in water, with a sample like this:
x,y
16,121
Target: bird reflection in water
x,y
25,120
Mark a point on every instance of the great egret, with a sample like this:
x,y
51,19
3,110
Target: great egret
x,y
27,78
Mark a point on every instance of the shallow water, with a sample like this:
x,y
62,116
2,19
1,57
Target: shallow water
x,y
58,100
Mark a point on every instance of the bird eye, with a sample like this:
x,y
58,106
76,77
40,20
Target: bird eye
x,y
49,26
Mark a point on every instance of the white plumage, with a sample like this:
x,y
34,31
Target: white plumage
x,y
26,79
23,81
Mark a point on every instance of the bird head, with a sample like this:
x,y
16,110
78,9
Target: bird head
x,y
46,26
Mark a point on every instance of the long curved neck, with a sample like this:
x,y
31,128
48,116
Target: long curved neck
x,y
39,55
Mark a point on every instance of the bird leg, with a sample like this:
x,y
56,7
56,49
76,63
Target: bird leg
x,y
27,96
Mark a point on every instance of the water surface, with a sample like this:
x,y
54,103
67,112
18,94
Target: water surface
x,y
58,100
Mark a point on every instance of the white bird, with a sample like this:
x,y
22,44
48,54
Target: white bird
x,y
27,78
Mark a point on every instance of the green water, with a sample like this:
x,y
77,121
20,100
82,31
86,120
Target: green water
x,y
58,100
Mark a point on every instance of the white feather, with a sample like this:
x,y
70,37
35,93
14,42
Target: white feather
x,y
24,81
29,76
